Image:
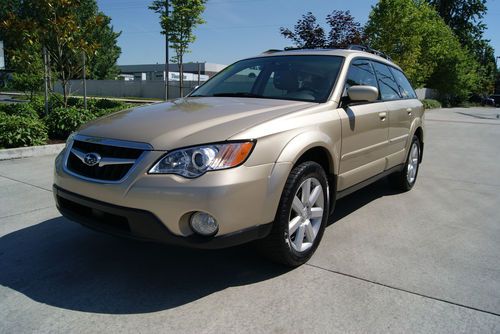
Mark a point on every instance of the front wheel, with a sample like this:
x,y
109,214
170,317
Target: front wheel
x,y
405,179
301,217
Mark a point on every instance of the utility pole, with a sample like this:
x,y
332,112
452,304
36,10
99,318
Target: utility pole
x,y
199,72
166,54
84,83
46,80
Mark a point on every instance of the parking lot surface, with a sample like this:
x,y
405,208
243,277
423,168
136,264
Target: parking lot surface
x,y
426,261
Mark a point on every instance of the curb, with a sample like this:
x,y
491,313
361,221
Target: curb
x,y
31,151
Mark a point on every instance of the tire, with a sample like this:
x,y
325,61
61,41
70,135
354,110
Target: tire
x,y
405,179
295,237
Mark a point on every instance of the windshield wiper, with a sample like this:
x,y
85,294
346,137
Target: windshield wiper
x,y
238,94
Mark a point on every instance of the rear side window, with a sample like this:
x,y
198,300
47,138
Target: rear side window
x,y
405,87
361,73
389,89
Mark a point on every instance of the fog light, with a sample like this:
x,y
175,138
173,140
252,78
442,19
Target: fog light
x,y
204,224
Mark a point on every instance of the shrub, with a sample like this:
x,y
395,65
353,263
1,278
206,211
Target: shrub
x,y
74,101
19,109
468,104
104,112
108,104
62,121
16,131
79,103
431,104
38,103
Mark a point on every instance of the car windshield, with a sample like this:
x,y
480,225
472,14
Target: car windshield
x,y
300,78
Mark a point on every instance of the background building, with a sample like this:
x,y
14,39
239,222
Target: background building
x,y
157,71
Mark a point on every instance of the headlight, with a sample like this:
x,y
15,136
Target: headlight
x,y
70,139
195,161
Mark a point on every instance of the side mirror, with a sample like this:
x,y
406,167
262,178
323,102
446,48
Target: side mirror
x,y
362,93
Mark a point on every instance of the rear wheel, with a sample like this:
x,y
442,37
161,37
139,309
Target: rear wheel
x,y
405,179
301,217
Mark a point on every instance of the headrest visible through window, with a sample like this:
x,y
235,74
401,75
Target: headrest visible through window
x,y
286,80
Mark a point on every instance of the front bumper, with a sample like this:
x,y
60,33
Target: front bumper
x,y
142,225
244,200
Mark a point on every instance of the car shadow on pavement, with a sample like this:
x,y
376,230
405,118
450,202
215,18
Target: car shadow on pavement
x,y
347,205
62,264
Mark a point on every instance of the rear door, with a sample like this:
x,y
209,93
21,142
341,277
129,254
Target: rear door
x,y
364,131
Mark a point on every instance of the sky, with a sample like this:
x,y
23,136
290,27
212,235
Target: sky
x,y
236,29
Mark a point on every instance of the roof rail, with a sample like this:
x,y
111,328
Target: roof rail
x,y
350,47
369,50
291,48
271,51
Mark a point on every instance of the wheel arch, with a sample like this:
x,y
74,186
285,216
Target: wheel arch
x,y
317,147
419,132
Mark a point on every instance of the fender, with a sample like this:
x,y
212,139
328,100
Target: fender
x,y
301,143
417,123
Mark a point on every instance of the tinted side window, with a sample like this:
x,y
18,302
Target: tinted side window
x,y
389,89
404,85
361,73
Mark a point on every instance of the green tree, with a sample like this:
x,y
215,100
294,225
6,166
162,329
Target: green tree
x,y
67,29
418,39
464,17
102,63
25,58
178,18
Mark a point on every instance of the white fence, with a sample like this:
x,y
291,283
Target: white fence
x,y
121,88
156,89
426,93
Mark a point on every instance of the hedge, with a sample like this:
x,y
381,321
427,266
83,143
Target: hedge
x,y
61,122
17,131
19,109
25,124
431,104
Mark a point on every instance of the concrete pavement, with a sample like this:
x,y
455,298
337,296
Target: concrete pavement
x,y
423,261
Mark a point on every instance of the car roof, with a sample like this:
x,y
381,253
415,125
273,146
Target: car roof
x,y
328,52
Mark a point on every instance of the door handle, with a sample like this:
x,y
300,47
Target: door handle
x,y
409,110
382,115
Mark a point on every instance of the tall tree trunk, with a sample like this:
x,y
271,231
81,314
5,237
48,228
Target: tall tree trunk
x,y
49,73
181,77
65,85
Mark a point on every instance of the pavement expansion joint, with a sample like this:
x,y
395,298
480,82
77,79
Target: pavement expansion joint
x,y
462,181
403,290
494,122
26,183
26,212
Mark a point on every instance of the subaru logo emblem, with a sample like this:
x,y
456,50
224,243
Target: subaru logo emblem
x,y
92,159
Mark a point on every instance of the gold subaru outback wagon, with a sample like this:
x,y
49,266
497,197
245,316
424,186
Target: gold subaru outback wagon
x,y
260,152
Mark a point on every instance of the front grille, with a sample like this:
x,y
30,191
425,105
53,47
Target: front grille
x,y
105,173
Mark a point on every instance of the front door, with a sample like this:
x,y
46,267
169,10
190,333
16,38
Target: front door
x,y
365,131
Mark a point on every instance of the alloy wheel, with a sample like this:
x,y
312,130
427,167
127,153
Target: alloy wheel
x,y
306,215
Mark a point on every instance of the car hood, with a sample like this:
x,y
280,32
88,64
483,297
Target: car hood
x,y
189,121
